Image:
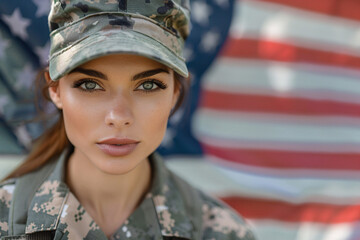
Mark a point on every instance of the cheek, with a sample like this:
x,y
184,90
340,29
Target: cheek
x,y
78,116
154,117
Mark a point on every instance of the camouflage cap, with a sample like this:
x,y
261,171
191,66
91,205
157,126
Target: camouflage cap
x,y
82,30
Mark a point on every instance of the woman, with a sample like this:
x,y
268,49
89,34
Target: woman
x,y
116,74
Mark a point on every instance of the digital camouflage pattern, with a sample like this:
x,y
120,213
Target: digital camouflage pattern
x,y
6,192
161,215
82,30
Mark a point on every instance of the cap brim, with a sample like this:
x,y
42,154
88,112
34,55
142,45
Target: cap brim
x,y
114,42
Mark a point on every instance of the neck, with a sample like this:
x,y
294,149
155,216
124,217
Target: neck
x,y
107,197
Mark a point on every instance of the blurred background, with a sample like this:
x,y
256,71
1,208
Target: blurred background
x,y
272,122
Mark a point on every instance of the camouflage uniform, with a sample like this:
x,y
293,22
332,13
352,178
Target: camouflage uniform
x,y
163,213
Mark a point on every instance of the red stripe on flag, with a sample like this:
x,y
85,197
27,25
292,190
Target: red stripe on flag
x,y
270,104
286,159
253,208
338,8
276,51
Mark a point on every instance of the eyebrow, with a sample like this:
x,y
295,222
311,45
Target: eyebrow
x,y
149,73
89,72
98,74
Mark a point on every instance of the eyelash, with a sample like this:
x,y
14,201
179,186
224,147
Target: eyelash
x,y
78,84
160,85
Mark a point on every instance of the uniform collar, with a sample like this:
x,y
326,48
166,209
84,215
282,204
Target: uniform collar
x,y
168,201
47,203
164,201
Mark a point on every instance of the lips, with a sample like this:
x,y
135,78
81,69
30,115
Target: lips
x,y
117,147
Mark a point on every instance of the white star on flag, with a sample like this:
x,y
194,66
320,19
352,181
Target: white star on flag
x,y
188,53
168,138
4,44
17,23
43,7
201,13
4,100
210,41
25,78
177,116
43,53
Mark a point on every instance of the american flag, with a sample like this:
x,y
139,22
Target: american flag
x,y
279,116
271,127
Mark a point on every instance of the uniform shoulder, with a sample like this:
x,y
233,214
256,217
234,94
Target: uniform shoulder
x,y
218,220
6,190
6,193
222,222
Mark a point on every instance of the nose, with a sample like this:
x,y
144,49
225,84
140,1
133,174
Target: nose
x,y
119,113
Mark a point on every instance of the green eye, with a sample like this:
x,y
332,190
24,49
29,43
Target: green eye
x,y
90,85
87,85
151,85
148,85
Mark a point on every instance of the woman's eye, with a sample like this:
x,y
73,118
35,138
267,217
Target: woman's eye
x,y
147,86
151,85
90,85
87,85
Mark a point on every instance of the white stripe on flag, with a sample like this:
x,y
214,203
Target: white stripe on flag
x,y
254,19
302,231
328,121
211,124
282,79
197,172
294,186
220,181
289,146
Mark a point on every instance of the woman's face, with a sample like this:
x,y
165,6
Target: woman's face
x,y
116,109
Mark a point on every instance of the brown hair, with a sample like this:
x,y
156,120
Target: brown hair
x,y
54,141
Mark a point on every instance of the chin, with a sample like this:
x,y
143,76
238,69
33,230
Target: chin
x,y
118,166
115,172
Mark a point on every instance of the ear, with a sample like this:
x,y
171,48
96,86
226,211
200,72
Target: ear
x,y
54,90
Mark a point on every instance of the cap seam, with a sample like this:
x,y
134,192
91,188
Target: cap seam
x,y
162,45
63,10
